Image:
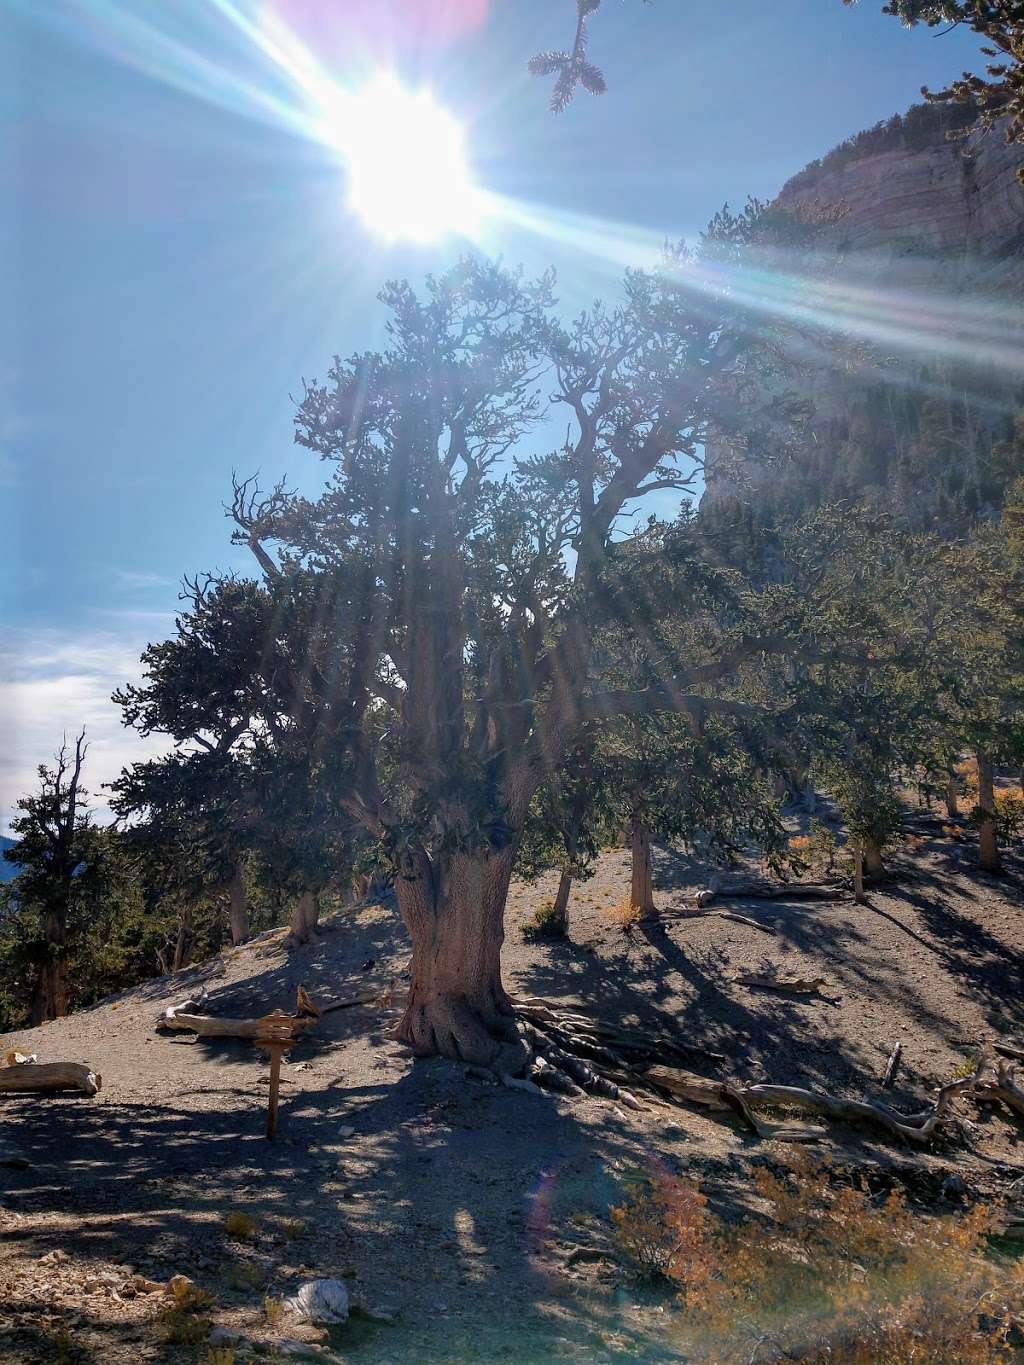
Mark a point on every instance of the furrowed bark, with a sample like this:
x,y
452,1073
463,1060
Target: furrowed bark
x,y
873,864
454,910
305,918
560,909
988,843
239,908
52,993
641,891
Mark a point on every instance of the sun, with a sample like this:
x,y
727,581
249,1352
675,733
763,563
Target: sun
x,y
407,168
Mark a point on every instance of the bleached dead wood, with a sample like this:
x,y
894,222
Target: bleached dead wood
x,y
998,1080
744,1099
719,914
41,1077
183,1018
892,1066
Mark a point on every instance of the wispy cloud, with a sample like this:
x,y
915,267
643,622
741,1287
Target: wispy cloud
x,y
55,682
132,581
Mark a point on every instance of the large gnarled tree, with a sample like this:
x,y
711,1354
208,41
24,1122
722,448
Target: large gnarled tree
x,y
461,662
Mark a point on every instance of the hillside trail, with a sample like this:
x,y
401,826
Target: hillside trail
x,y
470,1221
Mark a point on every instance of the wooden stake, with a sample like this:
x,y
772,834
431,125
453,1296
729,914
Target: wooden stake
x,y
275,1050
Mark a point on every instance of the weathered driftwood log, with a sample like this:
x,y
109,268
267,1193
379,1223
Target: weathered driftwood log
x,y
42,1077
745,1098
996,1081
183,1017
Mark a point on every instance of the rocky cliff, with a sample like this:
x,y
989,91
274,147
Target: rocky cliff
x,y
904,269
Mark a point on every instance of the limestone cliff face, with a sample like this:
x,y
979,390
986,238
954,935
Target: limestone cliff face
x,y
910,255
952,211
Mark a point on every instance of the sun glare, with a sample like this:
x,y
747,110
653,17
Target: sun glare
x,y
408,175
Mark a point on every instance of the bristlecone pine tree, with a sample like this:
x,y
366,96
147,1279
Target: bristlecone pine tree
x,y
53,850
452,665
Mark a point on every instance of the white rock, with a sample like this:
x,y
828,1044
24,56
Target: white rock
x,y
320,1301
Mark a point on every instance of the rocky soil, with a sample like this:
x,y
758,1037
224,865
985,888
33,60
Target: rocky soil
x,y
469,1222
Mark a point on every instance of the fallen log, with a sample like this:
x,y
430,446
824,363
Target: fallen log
x,y
790,891
182,1018
744,1099
43,1077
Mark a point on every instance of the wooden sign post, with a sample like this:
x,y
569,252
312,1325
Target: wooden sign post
x,y
277,1032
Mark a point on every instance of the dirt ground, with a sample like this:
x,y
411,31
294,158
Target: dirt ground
x,y
469,1221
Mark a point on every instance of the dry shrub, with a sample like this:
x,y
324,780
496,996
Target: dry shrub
x,y
832,1277
622,913
180,1326
543,923
219,1355
273,1311
816,851
241,1225
1010,814
967,772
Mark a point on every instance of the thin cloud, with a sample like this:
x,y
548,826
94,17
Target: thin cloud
x,y
131,580
53,683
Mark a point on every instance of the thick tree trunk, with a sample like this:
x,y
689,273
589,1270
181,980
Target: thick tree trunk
x,y
988,844
304,918
641,890
873,864
560,909
52,994
239,908
952,796
454,909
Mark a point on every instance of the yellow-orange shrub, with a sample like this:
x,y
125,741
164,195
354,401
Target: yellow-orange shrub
x,y
831,1276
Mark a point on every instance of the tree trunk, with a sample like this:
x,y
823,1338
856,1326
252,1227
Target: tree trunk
x,y
952,795
183,942
873,864
239,908
560,909
304,918
454,909
988,844
641,891
52,993
858,874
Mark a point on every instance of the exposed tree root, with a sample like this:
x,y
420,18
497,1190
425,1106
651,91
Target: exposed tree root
x,y
572,1055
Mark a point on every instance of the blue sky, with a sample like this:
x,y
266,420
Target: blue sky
x,y
176,257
